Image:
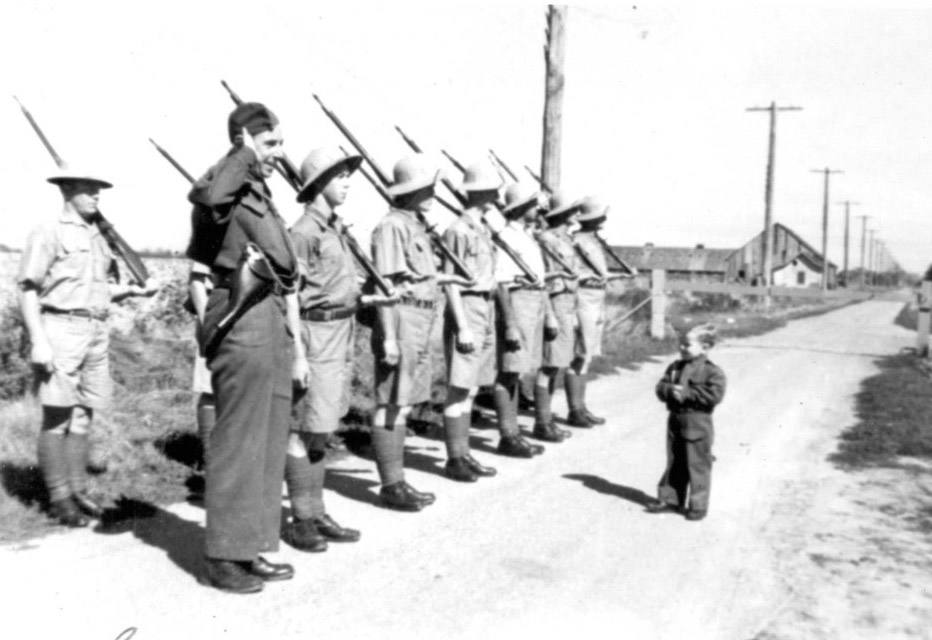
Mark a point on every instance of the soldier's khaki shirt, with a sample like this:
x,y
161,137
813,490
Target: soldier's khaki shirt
x,y
561,243
520,239
400,247
70,264
586,241
326,266
471,242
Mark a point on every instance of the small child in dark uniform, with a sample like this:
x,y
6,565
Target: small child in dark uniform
x,y
691,388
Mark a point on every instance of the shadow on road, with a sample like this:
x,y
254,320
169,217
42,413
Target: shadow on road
x,y
347,483
602,485
180,539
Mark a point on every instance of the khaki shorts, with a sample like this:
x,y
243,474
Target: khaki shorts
x,y
476,369
82,364
528,305
329,349
591,314
561,351
408,382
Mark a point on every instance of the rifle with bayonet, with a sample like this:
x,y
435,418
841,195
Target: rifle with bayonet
x,y
501,163
118,245
605,246
513,255
435,239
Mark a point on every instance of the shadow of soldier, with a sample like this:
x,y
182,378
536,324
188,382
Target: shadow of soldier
x,y
180,539
23,481
602,485
348,484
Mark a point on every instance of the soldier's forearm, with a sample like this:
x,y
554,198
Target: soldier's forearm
x,y
455,304
293,317
29,304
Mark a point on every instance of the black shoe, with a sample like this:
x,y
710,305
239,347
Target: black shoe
x,y
396,496
87,506
478,468
268,571
536,449
591,417
661,507
67,513
229,575
547,433
566,433
304,536
332,531
515,446
695,514
458,469
423,496
577,418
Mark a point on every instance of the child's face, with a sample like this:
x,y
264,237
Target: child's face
x,y
690,347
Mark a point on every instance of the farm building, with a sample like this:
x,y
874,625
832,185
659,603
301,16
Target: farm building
x,y
795,262
696,264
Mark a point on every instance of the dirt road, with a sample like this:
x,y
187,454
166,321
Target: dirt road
x,y
554,547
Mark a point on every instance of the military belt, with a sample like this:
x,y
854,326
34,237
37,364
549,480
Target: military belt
x,y
417,304
485,295
326,315
77,313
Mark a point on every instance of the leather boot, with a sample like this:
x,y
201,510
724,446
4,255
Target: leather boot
x,y
479,469
304,536
396,496
67,513
268,571
576,418
332,531
591,417
86,505
230,576
458,469
422,496
547,432
536,449
515,447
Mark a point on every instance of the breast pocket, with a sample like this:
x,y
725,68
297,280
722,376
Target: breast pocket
x,y
76,256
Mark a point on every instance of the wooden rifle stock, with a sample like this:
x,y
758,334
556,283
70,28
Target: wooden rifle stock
x,y
285,167
116,242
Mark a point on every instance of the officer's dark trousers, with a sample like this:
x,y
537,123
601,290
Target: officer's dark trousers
x,y
251,375
689,468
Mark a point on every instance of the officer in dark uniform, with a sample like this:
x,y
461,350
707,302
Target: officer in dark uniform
x,y
254,360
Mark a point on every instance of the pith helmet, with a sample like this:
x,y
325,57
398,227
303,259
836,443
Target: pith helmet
x,y
592,211
66,175
412,173
561,208
481,176
518,197
321,165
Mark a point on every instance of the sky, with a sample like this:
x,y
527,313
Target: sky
x,y
654,118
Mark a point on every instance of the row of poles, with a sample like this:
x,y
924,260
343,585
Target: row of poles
x,y
872,248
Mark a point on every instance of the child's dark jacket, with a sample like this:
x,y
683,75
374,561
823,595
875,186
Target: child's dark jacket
x,y
704,387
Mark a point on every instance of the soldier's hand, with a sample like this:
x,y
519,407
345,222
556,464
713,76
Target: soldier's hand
x,y
377,300
512,339
679,393
42,356
465,343
300,373
150,288
524,281
392,353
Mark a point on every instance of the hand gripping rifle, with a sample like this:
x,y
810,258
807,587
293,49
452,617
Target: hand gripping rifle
x,y
117,244
384,181
292,176
624,266
532,277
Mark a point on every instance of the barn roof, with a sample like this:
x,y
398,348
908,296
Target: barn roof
x,y
699,259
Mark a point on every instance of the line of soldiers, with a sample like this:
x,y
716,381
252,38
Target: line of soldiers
x,y
277,311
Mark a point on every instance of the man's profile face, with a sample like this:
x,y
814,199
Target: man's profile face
x,y
337,189
268,146
82,196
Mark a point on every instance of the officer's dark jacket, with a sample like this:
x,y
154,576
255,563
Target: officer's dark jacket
x,y
704,383
233,206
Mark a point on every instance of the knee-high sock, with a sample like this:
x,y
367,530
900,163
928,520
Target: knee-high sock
x,y
542,413
456,434
305,481
388,445
76,457
574,384
53,464
506,407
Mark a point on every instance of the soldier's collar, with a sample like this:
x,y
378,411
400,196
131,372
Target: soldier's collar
x,y
69,216
318,216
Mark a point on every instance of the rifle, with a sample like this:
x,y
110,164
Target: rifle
x,y
285,167
172,161
435,239
532,277
502,164
116,242
605,246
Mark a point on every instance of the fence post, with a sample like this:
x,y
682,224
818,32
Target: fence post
x,y
658,303
923,321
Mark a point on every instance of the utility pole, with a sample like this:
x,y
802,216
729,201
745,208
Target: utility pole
x,y
863,246
870,255
826,172
554,52
767,252
848,204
